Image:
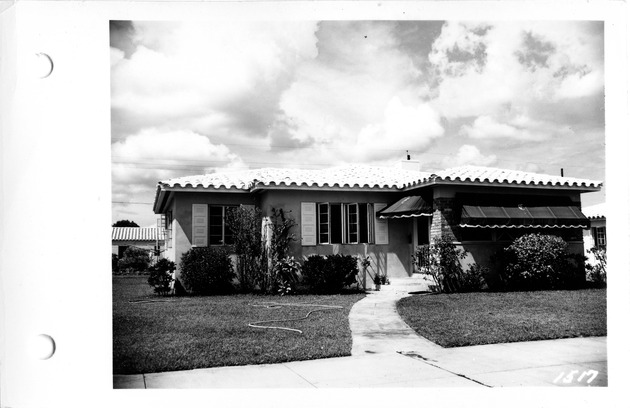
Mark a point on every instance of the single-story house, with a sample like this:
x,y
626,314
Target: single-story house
x,y
381,212
150,238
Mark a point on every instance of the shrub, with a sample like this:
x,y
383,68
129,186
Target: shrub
x,y
596,273
345,267
331,274
314,271
379,279
286,274
161,276
537,261
207,271
115,263
474,279
134,260
441,260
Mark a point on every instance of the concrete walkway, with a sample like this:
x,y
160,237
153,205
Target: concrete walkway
x,y
377,327
388,353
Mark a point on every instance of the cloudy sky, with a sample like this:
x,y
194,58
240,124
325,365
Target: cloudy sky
x,y
193,97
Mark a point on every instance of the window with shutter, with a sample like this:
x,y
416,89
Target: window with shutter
x,y
600,240
345,223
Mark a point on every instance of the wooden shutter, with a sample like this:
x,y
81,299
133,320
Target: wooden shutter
x,y
200,225
309,224
381,228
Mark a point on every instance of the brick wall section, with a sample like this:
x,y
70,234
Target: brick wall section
x,y
443,223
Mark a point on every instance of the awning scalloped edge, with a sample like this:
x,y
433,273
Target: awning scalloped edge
x,y
405,216
523,226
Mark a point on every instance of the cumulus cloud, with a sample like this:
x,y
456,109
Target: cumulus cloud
x,y
173,147
515,127
460,49
469,154
231,73
480,67
141,160
349,87
485,127
404,127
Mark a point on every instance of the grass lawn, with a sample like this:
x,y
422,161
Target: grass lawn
x,y
464,319
181,333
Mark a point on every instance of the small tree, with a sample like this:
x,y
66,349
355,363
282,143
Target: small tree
x,y
280,238
596,273
134,260
245,226
281,235
125,223
442,260
161,276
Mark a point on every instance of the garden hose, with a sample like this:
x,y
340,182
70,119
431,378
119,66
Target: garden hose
x,y
151,300
271,305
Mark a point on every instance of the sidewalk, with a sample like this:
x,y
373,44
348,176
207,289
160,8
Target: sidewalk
x,y
388,353
537,363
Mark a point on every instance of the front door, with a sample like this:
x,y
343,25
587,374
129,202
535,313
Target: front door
x,y
421,233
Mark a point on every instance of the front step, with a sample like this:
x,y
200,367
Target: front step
x,y
415,283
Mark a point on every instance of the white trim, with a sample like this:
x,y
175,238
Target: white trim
x,y
208,189
328,188
346,212
319,223
506,184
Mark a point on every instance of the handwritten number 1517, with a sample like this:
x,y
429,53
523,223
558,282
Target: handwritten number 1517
x,y
570,376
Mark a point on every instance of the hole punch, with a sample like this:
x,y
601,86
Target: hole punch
x,y
43,347
44,65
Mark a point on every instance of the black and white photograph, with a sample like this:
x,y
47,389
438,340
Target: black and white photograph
x,y
314,203
358,204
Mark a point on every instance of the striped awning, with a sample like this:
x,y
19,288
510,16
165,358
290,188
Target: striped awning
x,y
410,206
523,217
137,234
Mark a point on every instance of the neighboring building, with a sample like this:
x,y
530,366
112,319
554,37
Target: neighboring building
x,y
381,212
145,238
595,236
